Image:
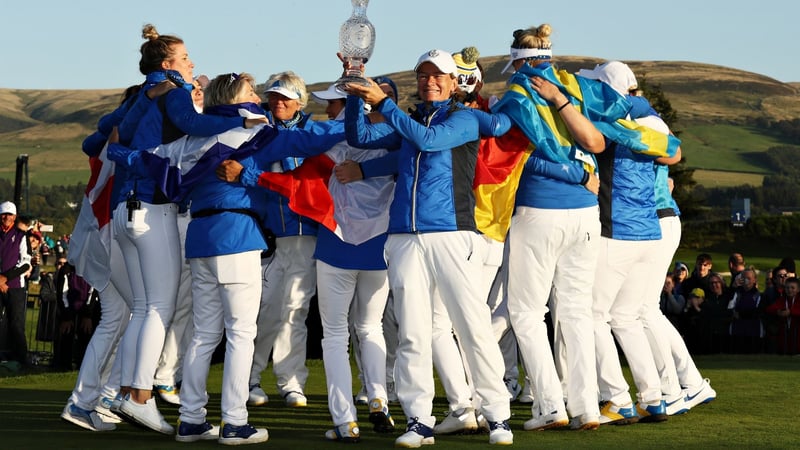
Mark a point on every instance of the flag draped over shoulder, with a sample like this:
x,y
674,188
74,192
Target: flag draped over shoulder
x,y
306,187
356,212
497,172
604,107
177,166
90,242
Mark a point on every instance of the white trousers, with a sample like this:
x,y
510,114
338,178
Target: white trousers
x,y
451,262
151,248
225,293
364,293
180,330
448,358
98,361
452,367
289,283
555,249
620,285
674,363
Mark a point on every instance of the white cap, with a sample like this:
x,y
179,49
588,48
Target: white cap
x,y
615,74
332,93
441,59
8,208
280,88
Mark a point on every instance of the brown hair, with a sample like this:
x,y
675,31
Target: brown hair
x,y
156,49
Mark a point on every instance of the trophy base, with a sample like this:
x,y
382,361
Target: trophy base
x,y
341,82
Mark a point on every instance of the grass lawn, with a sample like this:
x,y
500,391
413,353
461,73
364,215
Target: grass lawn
x,y
757,405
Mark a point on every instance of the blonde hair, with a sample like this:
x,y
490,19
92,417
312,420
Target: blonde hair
x,y
291,81
533,37
224,89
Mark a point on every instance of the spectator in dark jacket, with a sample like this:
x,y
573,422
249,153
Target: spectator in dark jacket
x,y
747,329
78,308
14,263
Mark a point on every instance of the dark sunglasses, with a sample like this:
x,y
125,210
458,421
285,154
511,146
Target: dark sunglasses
x,y
469,80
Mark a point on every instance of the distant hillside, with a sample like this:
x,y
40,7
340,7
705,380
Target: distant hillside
x,y
49,124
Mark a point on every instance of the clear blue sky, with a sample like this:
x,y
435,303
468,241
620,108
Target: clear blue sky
x,y
93,44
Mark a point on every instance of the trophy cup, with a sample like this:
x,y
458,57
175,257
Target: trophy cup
x,y
356,42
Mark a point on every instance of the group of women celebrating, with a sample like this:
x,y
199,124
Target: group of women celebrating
x,y
435,257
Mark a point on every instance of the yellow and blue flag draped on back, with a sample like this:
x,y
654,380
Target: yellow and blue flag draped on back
x,y
603,106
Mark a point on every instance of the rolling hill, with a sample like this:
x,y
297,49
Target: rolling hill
x,y
717,109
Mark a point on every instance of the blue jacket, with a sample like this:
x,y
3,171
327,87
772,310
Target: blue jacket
x,y
627,195
162,121
279,218
437,151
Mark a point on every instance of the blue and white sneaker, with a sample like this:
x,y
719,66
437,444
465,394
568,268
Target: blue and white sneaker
x,y
652,412
500,433
613,414
193,432
700,396
677,405
242,435
85,418
103,408
417,434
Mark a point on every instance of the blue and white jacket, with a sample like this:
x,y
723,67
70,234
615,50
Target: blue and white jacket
x,y
161,121
437,152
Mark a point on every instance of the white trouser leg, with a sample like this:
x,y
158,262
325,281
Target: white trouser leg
x,y
620,282
447,358
269,316
456,259
97,361
555,248
138,305
225,290
336,291
390,336
122,286
158,245
412,288
372,291
299,285
179,332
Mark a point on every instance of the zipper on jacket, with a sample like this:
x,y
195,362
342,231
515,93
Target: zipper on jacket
x,y
428,120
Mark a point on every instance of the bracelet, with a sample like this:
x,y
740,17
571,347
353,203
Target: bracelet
x,y
563,106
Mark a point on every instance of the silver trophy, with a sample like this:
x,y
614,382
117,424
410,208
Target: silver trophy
x,y
356,42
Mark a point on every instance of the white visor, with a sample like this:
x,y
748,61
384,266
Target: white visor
x,y
525,53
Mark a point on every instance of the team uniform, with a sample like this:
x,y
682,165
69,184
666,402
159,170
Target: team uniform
x,y
433,245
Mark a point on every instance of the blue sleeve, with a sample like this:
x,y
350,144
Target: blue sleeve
x,y
378,167
459,127
568,173
180,110
130,159
138,108
492,124
301,142
94,143
366,135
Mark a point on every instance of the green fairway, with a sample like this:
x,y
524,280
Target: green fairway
x,y
757,404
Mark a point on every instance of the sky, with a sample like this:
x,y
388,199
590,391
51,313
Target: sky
x,y
94,44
